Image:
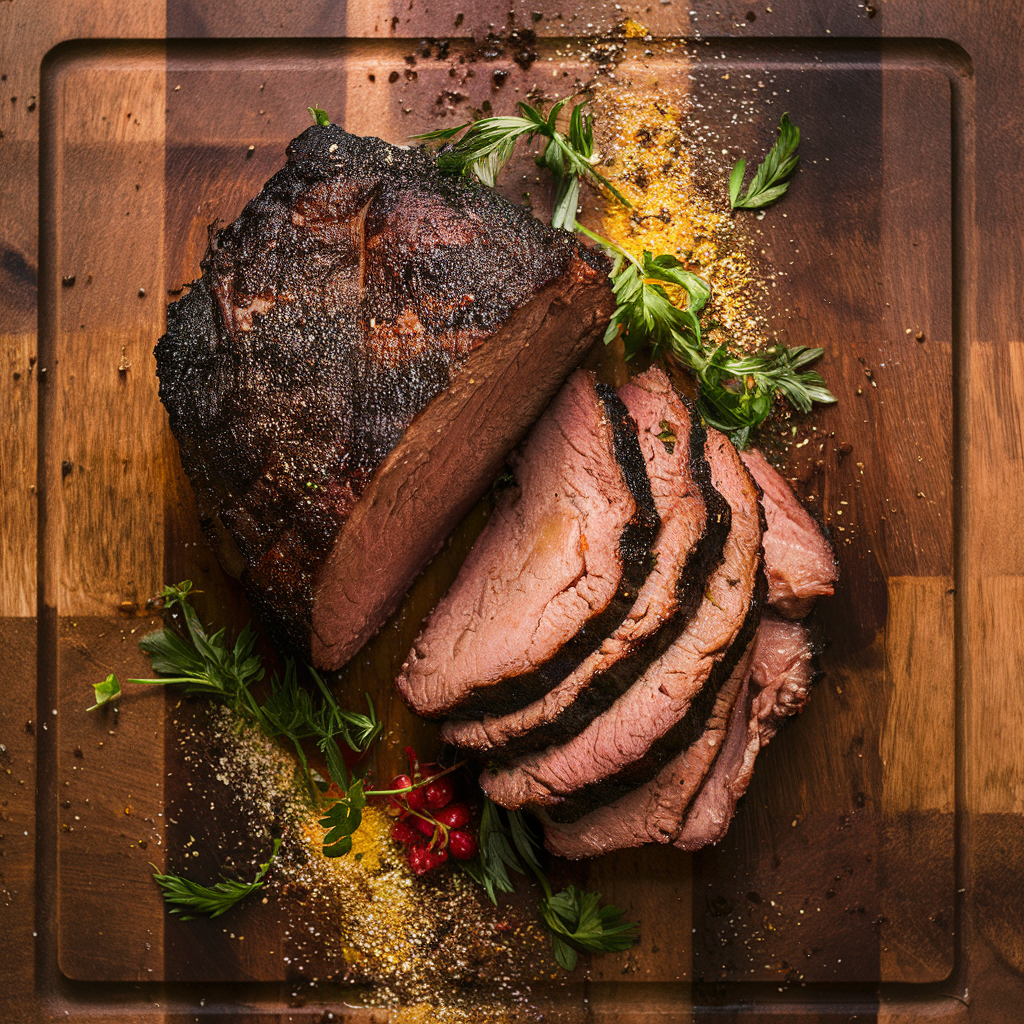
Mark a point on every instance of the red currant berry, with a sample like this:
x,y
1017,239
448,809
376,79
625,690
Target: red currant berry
x,y
402,832
436,857
425,825
419,860
462,845
438,793
454,815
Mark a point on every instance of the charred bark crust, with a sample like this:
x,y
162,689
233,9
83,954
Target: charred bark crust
x,y
339,304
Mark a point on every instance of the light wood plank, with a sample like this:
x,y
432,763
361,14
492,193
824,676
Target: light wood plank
x,y
916,743
104,474
18,406
104,452
918,756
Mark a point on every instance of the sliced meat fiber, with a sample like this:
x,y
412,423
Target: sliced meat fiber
x,y
653,812
779,686
800,562
555,570
367,343
665,710
694,524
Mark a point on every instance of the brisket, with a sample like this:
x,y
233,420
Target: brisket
x,y
779,686
668,707
653,812
555,570
367,343
799,560
694,523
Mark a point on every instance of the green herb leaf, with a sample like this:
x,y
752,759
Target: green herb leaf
x,y
336,767
736,392
318,115
105,691
526,843
565,955
342,819
496,857
736,182
769,183
577,919
188,899
487,145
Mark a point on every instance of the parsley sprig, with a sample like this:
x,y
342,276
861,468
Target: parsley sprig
x,y
736,391
769,182
189,899
487,145
575,920
206,664
342,818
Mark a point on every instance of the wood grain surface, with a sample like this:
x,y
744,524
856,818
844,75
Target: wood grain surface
x,y
873,871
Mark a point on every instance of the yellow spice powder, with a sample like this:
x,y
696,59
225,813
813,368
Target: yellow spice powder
x,y
654,165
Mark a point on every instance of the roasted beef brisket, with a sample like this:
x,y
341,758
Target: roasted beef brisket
x,y
554,572
779,686
694,523
653,813
799,559
693,799
367,343
667,708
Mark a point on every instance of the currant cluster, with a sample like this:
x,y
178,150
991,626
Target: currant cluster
x,y
429,823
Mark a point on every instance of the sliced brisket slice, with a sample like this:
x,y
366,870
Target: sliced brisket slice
x,y
367,343
555,570
667,708
799,560
653,812
694,524
779,686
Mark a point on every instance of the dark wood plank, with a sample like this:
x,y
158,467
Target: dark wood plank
x,y
18,779
816,839
110,807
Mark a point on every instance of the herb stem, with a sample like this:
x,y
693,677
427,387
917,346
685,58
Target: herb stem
x,y
608,244
416,785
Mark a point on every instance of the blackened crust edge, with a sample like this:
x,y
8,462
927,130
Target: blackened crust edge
x,y
606,687
286,371
635,552
681,736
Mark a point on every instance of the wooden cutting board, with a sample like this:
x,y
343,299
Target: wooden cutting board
x,y
873,870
